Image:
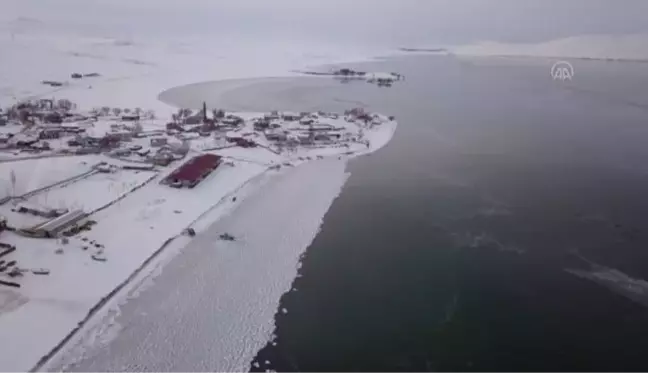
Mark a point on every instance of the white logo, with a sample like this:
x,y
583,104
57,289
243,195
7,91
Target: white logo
x,y
562,70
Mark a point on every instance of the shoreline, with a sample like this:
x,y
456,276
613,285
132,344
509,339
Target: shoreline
x,y
221,263
146,258
141,278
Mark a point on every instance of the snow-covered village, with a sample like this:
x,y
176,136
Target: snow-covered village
x,y
68,167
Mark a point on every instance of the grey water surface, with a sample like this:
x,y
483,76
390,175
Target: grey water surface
x,y
471,241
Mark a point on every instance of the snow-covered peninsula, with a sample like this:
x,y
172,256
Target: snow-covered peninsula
x,y
100,179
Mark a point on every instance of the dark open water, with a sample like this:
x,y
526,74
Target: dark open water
x,y
448,249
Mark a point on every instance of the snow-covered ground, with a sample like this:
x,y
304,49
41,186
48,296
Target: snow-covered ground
x,y
131,73
30,175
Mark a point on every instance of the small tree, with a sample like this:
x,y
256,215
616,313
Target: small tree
x,y
117,111
13,182
127,110
64,104
137,127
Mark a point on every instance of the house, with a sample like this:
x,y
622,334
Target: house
x,y
42,145
321,127
232,120
139,167
108,142
305,139
121,152
121,135
52,117
130,118
50,133
261,124
157,142
174,126
143,152
77,141
275,135
321,137
290,116
72,128
24,140
88,150
240,141
105,168
162,159
194,119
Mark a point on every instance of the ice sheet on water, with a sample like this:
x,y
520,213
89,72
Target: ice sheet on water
x,y
231,291
635,289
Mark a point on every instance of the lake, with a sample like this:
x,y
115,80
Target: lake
x,y
503,228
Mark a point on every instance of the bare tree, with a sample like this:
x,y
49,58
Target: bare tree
x,y
137,127
13,182
64,104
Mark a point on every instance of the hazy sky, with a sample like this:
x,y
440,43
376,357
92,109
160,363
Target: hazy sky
x,y
369,22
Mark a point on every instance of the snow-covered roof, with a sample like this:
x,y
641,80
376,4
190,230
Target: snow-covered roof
x,y
97,133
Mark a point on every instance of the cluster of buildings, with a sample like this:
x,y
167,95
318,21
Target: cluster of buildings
x,y
318,128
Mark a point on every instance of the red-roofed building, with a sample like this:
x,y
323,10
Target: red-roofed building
x,y
193,171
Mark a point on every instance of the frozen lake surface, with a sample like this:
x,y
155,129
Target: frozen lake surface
x,y
212,308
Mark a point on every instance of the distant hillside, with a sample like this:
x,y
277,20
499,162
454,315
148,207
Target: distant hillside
x,y
606,47
434,50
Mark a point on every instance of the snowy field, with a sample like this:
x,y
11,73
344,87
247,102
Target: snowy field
x,y
33,174
133,73
93,192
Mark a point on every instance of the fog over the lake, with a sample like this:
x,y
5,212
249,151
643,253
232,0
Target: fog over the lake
x,y
379,23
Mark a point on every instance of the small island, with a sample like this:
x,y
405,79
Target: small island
x,y
345,75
